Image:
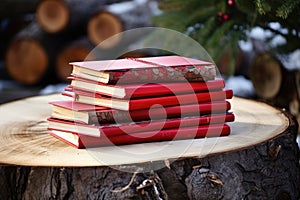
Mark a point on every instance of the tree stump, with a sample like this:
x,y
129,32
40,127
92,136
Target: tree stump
x,y
258,160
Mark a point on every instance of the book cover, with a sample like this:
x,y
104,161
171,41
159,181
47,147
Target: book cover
x,y
140,126
90,114
81,113
83,141
144,90
147,70
146,103
72,126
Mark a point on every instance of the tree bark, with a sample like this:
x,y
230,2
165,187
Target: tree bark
x,y
17,8
266,171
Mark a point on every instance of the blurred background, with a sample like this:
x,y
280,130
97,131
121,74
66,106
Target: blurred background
x,y
255,44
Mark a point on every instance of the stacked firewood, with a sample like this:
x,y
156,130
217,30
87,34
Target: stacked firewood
x,y
62,31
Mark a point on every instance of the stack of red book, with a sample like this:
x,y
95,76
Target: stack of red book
x,y
126,101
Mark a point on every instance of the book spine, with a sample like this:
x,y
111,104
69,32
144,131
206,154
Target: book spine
x,y
158,113
164,74
79,144
138,104
156,136
119,129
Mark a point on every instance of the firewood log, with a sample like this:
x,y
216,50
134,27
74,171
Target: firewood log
x,y
59,15
9,28
78,50
17,8
109,21
274,83
31,53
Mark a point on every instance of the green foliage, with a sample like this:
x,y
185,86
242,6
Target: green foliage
x,y
201,20
262,6
284,10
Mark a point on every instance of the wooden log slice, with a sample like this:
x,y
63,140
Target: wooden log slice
x,y
258,160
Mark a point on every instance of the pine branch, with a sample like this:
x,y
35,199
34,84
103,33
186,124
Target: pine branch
x,y
201,34
199,20
262,6
219,32
286,8
202,14
168,5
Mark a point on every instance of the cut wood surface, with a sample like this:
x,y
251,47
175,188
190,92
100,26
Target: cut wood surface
x,y
27,59
60,15
102,26
259,160
30,57
110,21
26,141
78,50
274,83
266,76
53,15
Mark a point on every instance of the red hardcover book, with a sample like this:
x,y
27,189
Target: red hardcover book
x,y
146,70
141,126
146,103
90,114
82,113
144,90
82,141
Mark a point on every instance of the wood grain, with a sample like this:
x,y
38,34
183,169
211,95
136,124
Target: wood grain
x,y
24,139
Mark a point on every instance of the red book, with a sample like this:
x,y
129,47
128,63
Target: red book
x,y
142,126
144,90
146,103
82,141
146,70
89,114
82,113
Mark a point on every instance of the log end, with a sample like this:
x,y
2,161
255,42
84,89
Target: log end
x,y
266,76
26,61
52,15
102,26
70,54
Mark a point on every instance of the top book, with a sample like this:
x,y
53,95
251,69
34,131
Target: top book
x,y
145,70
